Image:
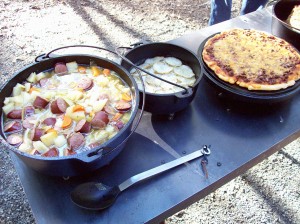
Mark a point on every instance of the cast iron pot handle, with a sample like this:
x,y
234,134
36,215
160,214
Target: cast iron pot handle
x,y
186,91
93,156
272,3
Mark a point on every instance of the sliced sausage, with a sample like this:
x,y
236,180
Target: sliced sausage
x,y
36,134
29,110
40,102
109,109
122,105
119,125
59,106
36,152
15,114
83,126
69,152
27,122
100,120
15,139
85,83
53,152
12,126
76,141
50,121
60,68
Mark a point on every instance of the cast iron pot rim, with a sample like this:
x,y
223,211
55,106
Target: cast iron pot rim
x,y
281,21
92,151
243,92
191,88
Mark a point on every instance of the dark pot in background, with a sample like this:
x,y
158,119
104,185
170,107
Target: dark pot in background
x,y
281,11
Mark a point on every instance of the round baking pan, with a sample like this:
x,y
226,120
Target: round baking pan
x,y
236,92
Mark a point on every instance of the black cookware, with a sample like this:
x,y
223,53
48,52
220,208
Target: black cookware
x,y
239,94
166,103
280,13
87,161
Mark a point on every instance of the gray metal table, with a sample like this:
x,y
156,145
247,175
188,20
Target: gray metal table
x,y
239,139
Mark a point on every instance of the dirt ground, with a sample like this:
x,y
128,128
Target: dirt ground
x,y
29,28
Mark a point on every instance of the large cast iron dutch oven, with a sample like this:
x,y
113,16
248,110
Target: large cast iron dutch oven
x,y
87,161
166,103
280,13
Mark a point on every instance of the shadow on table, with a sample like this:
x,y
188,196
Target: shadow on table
x,y
211,117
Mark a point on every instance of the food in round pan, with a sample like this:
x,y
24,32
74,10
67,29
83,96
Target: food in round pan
x,y
66,110
252,59
168,68
294,17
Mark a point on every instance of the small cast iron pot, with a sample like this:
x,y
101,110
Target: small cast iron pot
x,y
90,160
281,11
172,102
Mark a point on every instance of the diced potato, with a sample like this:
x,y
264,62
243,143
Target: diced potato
x,y
110,129
8,108
25,147
99,105
48,94
60,141
49,138
18,89
26,98
100,136
102,80
40,76
34,94
40,147
18,100
7,100
72,66
32,78
76,116
27,86
74,95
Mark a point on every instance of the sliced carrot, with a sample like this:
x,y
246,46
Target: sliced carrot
x,y
95,71
81,69
117,116
33,89
106,72
126,97
51,130
67,121
78,108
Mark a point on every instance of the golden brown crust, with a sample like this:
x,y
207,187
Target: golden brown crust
x,y
252,59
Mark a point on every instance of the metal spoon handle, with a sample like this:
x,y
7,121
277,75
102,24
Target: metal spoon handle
x,y
162,168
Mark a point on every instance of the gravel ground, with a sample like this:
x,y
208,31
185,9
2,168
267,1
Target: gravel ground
x,y
267,193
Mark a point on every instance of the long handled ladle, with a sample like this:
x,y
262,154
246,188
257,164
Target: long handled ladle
x,y
97,196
